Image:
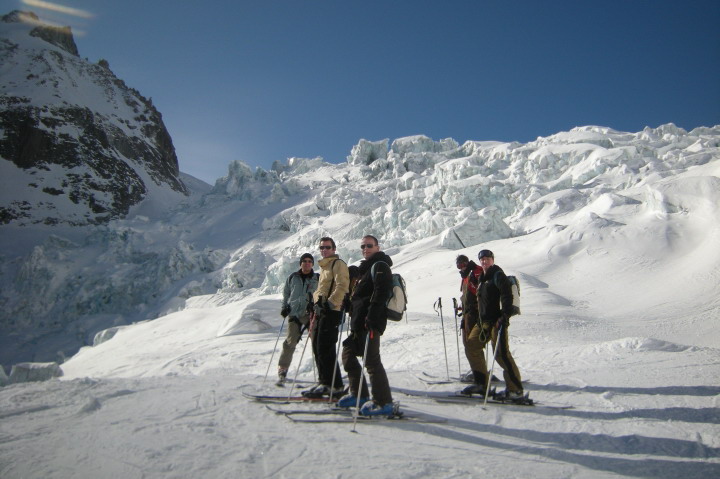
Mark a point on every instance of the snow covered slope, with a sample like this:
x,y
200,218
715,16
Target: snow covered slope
x,y
620,322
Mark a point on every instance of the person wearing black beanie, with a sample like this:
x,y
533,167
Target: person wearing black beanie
x,y
296,305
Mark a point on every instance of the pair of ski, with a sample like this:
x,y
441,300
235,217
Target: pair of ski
x,y
330,414
458,398
428,378
285,399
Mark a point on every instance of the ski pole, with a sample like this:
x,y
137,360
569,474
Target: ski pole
x,y
438,306
273,352
362,377
297,370
457,340
490,374
337,354
311,329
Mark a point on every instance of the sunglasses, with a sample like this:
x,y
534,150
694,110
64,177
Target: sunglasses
x,y
369,246
325,247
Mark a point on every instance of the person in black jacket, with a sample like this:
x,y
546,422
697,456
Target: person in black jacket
x,y
367,324
494,297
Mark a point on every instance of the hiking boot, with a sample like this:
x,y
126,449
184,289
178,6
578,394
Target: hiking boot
x,y
371,408
350,400
508,395
311,390
476,389
282,375
322,390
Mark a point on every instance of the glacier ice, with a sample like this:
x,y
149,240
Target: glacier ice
x,y
246,234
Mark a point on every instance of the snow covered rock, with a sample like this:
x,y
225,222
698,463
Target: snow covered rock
x,y
28,372
85,146
105,335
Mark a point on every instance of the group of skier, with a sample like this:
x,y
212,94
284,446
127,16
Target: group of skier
x,y
318,302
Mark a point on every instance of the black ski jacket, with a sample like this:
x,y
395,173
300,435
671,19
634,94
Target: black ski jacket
x,y
370,297
494,295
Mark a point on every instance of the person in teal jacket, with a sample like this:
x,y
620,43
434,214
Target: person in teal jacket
x,y
297,295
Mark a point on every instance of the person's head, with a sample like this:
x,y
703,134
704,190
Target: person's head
x,y
369,246
327,246
306,263
486,258
461,261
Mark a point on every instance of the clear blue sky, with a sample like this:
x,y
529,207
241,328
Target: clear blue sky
x,y
265,80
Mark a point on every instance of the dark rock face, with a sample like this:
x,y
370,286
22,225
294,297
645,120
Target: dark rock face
x,y
58,36
77,132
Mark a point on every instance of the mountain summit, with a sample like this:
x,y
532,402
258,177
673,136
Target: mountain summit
x,y
78,146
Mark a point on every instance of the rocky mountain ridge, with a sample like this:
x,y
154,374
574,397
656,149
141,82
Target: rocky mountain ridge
x,y
85,147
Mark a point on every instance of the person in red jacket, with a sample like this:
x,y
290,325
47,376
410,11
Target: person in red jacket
x,y
471,333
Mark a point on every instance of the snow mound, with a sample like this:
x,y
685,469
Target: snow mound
x,y
253,317
638,345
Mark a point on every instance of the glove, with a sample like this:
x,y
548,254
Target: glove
x,y
319,310
369,325
356,342
285,311
503,321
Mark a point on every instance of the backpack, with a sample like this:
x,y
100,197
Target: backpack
x,y
515,289
397,301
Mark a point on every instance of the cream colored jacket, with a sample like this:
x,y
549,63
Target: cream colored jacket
x,y
340,285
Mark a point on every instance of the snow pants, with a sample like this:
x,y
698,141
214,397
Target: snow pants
x,y
293,336
479,336
324,334
354,347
